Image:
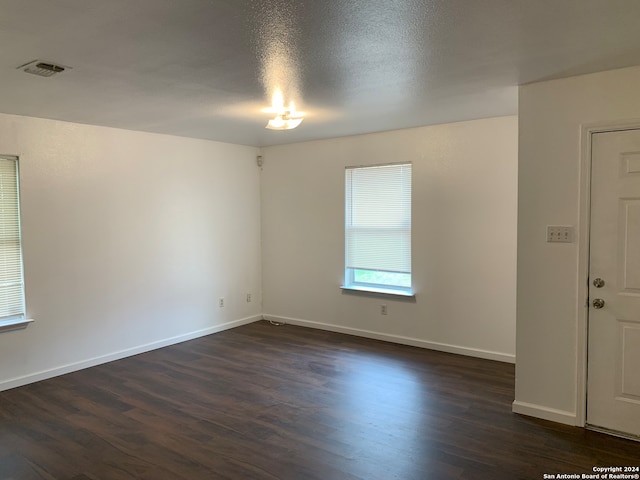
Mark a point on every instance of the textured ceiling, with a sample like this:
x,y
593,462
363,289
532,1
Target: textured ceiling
x,y
207,68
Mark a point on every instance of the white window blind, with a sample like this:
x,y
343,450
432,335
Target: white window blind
x,y
378,225
11,278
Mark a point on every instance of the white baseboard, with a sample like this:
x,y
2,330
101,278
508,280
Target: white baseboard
x,y
545,413
91,362
442,347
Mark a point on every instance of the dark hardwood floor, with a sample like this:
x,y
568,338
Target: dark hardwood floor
x,y
283,402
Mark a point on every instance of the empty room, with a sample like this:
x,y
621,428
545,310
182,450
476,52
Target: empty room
x,y
350,240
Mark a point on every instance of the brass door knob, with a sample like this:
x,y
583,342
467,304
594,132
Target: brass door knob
x,y
598,303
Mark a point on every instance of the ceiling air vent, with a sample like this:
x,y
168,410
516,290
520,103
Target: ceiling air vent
x,y
41,68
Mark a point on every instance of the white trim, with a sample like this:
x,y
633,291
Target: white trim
x,y
615,433
584,215
390,164
545,413
92,362
379,291
14,324
415,342
582,308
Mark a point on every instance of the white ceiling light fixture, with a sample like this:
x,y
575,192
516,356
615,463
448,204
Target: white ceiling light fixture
x,y
285,121
286,118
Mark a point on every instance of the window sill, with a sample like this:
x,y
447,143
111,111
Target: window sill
x,y
14,324
378,291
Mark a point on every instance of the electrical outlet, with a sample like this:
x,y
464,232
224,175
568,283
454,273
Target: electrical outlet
x,y
559,234
383,309
221,302
248,297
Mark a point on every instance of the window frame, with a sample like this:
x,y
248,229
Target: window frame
x,y
350,283
18,320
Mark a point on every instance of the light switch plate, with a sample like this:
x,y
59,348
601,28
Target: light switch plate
x,y
559,234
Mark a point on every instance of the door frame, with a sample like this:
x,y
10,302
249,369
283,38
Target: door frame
x,y
584,230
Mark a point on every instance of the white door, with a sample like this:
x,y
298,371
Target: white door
x,y
613,387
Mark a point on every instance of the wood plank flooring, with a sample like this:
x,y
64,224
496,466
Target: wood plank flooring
x,y
282,402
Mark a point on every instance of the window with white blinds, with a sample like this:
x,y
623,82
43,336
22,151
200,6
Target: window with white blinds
x,y
11,278
378,228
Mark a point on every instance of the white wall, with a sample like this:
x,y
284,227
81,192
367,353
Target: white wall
x,y
550,313
129,239
464,236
